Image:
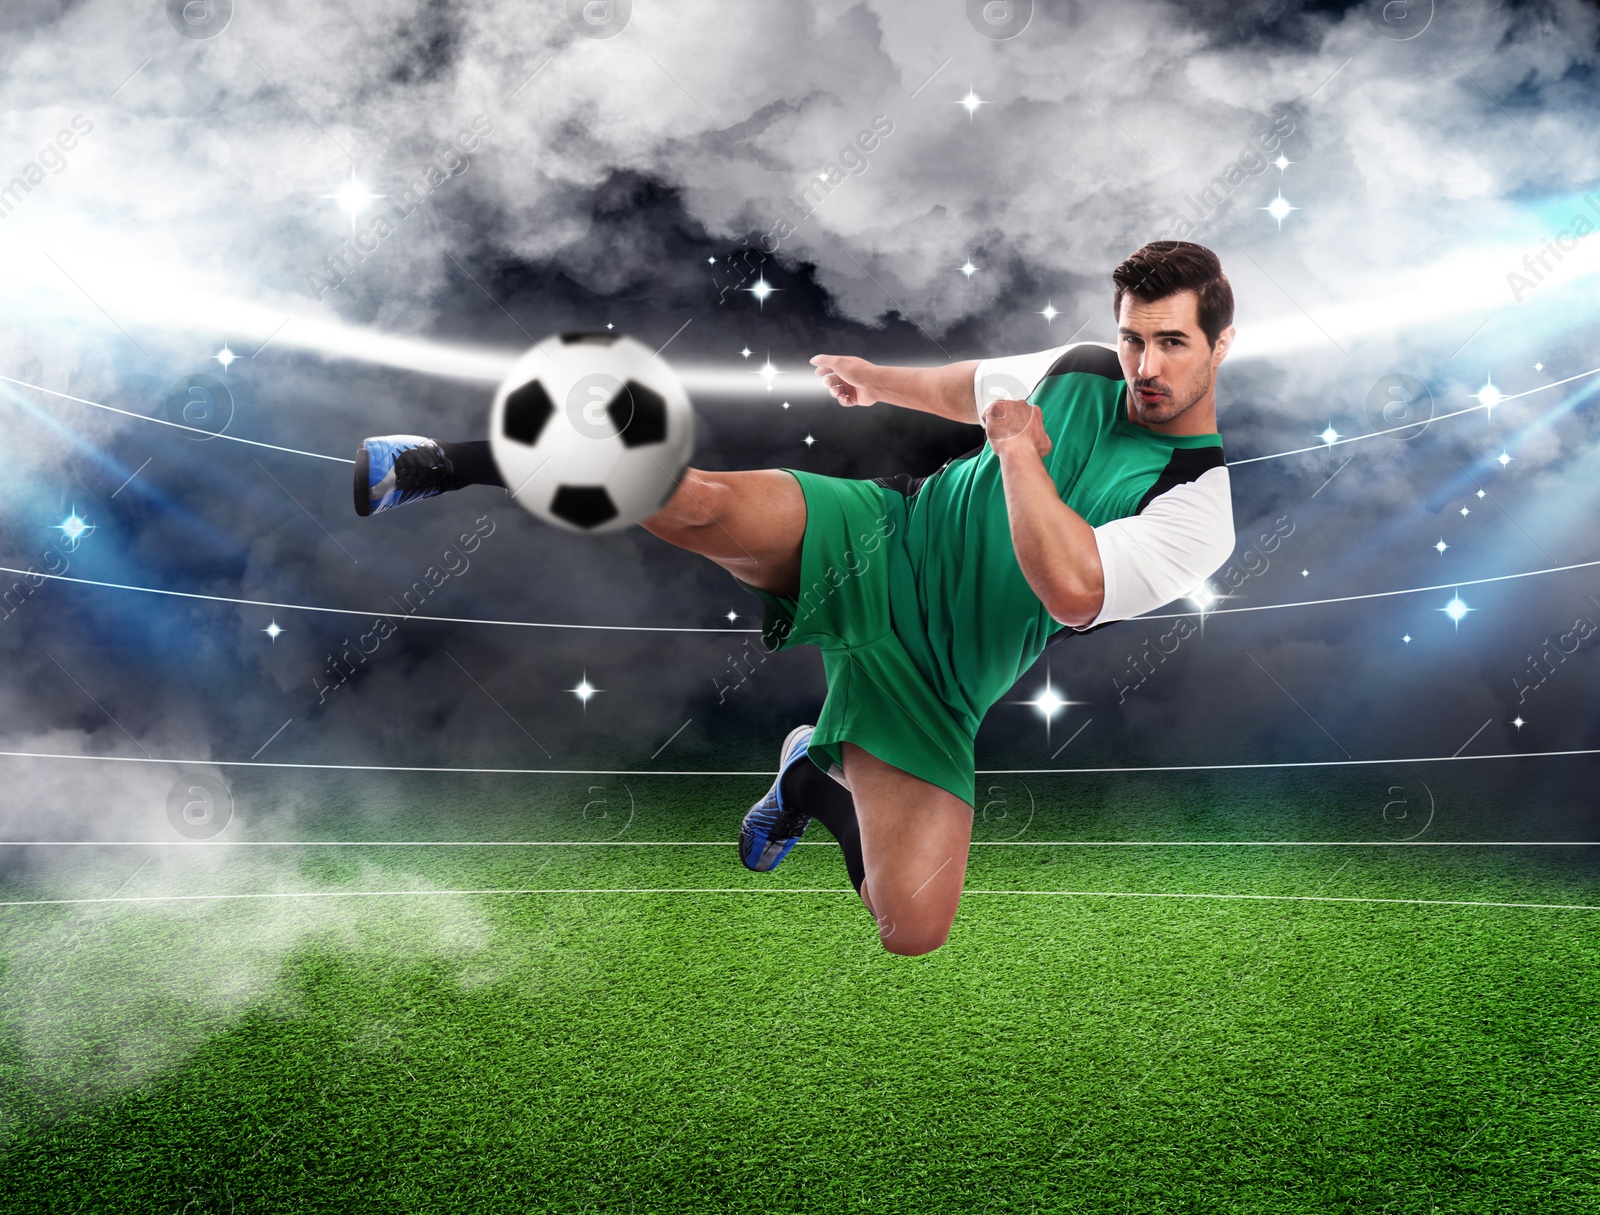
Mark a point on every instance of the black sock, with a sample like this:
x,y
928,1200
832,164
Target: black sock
x,y
811,789
473,464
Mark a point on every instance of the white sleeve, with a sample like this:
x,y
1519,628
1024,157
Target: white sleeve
x,y
1168,549
1013,377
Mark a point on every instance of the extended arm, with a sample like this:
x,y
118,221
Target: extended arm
x,y
945,391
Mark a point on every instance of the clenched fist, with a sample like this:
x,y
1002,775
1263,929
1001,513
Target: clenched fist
x,y
1012,423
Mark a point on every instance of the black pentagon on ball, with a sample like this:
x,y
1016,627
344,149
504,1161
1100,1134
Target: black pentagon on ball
x,y
588,338
639,415
528,408
583,506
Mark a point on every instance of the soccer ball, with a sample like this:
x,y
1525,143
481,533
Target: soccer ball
x,y
591,431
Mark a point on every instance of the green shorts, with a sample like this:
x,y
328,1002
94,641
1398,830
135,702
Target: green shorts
x,y
877,697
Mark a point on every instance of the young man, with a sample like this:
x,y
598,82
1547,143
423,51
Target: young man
x,y
1099,494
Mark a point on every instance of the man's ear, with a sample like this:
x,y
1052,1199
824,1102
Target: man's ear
x,y
1224,341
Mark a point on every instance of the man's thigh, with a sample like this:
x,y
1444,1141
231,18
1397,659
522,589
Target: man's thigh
x,y
750,523
914,842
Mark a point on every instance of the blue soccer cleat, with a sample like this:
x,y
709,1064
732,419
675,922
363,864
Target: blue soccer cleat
x,y
771,828
395,469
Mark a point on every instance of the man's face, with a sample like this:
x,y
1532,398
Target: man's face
x,y
1165,357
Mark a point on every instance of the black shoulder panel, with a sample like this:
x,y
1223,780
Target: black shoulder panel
x,y
1186,464
1091,359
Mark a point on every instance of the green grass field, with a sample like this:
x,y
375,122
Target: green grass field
x,y
675,1034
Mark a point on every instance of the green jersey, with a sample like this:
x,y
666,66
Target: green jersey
x,y
1159,504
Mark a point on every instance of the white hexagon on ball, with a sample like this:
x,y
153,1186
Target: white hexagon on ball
x,y
591,431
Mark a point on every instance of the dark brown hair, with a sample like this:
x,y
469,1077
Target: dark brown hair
x,y
1165,267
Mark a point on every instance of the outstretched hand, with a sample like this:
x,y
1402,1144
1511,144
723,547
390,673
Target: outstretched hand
x,y
1015,423
845,377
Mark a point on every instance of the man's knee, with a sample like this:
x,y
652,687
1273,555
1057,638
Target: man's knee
x,y
913,935
696,504
911,945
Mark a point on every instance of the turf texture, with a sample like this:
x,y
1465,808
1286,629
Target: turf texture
x,y
636,1024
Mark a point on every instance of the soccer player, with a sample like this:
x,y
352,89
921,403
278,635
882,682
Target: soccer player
x,y
1099,494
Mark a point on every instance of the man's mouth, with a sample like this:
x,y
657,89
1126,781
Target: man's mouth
x,y
1150,394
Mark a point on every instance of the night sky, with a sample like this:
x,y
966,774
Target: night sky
x,y
1442,176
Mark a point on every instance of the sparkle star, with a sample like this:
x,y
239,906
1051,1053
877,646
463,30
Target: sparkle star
x,y
225,356
353,197
732,616
1406,639
972,101
1518,722
1279,208
768,373
1283,162
786,404
272,631
1202,596
1048,703
1504,459
1465,512
1456,610
1481,493
74,528
1441,546
808,440
745,352
1329,436
968,268
761,289
1538,366
1489,396
1049,312
584,690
